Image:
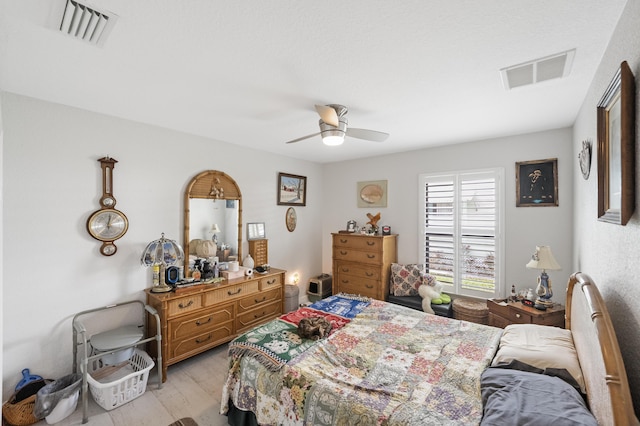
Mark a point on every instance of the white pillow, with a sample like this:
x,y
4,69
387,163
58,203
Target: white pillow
x,y
540,346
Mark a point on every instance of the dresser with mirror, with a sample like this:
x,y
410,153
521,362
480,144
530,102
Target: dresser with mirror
x,y
197,318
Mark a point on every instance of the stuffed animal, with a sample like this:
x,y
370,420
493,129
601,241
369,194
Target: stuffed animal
x,y
432,294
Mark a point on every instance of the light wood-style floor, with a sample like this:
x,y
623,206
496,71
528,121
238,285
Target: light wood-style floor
x,y
193,389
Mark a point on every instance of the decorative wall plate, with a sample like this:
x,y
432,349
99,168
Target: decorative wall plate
x,y
291,219
584,159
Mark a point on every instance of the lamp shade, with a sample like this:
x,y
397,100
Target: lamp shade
x,y
543,259
162,252
215,228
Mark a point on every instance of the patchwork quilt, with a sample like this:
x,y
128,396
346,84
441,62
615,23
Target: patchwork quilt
x,y
385,365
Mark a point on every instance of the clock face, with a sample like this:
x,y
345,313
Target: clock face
x,y
108,202
107,225
108,248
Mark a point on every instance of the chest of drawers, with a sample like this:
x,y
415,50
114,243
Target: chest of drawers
x,y
362,264
199,318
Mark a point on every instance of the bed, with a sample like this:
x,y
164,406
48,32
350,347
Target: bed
x,y
387,364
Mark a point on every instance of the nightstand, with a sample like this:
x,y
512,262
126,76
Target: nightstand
x,y
502,315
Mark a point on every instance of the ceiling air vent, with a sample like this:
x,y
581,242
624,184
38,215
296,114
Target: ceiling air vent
x,y
547,68
87,24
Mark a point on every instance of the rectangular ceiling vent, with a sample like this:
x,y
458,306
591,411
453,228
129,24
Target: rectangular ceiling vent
x,y
87,24
538,70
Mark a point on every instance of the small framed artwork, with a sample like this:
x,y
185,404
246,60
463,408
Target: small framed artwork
x,y
256,231
292,190
351,226
616,149
372,193
537,183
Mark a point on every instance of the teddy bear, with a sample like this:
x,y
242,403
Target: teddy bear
x,y
432,294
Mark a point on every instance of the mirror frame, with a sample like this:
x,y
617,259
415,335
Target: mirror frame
x,y
212,185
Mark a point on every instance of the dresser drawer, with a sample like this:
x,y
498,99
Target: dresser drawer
x,y
199,322
270,282
361,286
258,299
184,305
519,317
186,347
248,319
357,256
231,292
358,270
357,242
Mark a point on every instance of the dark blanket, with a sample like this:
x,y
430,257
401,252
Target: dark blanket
x,y
511,396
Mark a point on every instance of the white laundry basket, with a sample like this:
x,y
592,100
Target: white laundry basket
x,y
114,385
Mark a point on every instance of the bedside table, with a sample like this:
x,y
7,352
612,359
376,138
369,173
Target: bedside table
x,y
516,313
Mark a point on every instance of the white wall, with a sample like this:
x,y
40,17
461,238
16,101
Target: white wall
x,y
52,183
525,228
607,252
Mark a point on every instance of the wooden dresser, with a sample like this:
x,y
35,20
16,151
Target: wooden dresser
x,y
195,319
362,264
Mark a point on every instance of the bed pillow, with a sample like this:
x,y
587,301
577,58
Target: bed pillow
x,y
540,346
405,279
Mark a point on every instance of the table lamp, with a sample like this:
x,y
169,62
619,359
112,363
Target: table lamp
x,y
543,259
162,252
214,230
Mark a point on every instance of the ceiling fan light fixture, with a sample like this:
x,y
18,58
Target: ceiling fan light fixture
x,y
333,140
331,135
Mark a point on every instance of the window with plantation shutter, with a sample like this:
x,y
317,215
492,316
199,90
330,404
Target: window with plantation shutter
x,y
462,244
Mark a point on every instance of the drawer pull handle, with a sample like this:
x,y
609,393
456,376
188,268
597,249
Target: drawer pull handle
x,y
371,256
370,243
273,281
258,301
182,305
204,340
343,252
230,293
259,316
343,241
345,269
518,315
345,281
202,323
369,274
369,286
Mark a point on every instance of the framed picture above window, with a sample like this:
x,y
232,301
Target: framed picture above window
x,y
292,190
616,149
537,183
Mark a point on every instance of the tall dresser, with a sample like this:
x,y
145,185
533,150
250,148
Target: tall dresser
x,y
362,264
195,319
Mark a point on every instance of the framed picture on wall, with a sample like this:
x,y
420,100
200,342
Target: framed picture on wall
x,y
537,183
616,149
292,190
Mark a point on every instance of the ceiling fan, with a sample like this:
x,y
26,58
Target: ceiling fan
x,y
334,127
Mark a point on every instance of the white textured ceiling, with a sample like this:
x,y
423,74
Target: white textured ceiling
x,y
249,72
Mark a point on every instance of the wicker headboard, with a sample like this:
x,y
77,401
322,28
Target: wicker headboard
x,y
599,354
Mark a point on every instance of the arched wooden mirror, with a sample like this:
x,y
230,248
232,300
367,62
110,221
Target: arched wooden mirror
x,y
212,198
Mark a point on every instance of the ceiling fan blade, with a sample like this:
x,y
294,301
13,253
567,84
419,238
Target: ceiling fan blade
x,y
370,135
328,115
303,138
